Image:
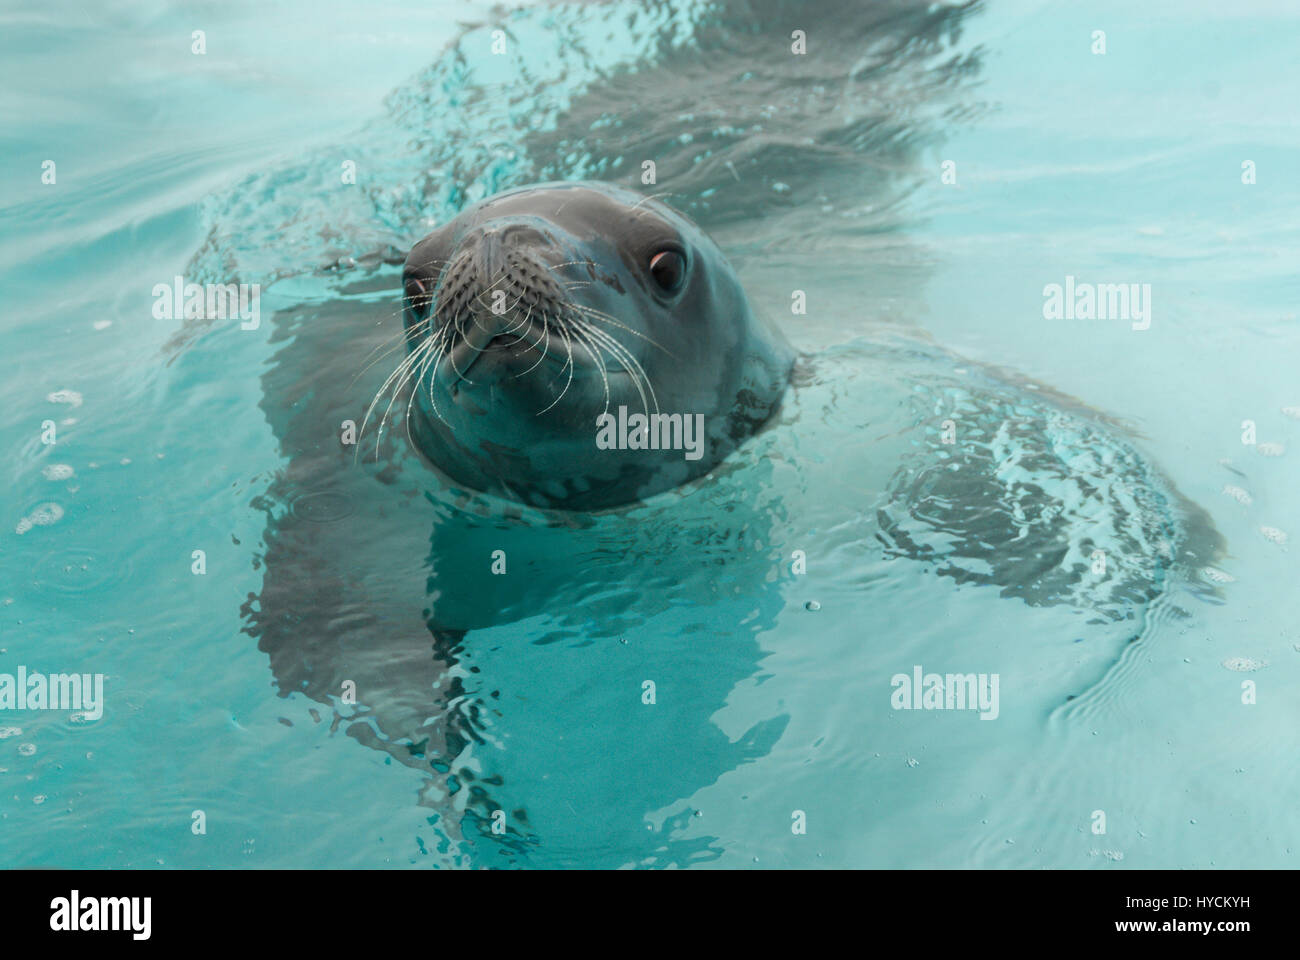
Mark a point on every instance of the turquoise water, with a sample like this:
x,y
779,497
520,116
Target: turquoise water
x,y
1120,692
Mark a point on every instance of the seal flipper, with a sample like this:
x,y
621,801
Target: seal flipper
x,y
997,483
1017,486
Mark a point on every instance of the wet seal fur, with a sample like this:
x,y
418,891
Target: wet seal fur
x,y
541,316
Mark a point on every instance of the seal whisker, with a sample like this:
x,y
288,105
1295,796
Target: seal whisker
x,y
595,314
407,337
653,196
444,352
541,355
394,377
546,332
607,338
482,293
599,360
522,324
450,357
422,354
568,344
573,263
415,389
432,261
626,359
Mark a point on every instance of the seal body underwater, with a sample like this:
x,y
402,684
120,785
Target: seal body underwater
x,y
580,346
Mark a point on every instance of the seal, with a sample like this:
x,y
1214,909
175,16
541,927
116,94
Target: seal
x,y
579,346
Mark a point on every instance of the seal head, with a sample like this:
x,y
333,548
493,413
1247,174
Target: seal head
x,y
579,346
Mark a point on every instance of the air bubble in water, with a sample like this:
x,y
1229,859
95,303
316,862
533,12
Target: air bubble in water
x,y
1238,494
1244,664
44,515
70,397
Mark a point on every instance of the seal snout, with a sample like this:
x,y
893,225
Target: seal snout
x,y
497,295
499,272
496,244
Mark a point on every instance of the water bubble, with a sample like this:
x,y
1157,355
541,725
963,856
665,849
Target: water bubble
x,y
7,732
1238,494
77,570
71,397
1292,412
57,471
43,515
812,605
27,749
1270,449
1244,664
1218,576
1274,535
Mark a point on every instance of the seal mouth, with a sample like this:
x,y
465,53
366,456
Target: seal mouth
x,y
465,355
505,338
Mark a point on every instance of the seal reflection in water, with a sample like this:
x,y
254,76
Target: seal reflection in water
x,y
542,317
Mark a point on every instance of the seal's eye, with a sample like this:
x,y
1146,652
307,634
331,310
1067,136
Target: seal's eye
x,y
416,298
668,268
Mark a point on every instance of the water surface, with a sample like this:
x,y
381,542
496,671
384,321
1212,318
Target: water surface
x,y
822,173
